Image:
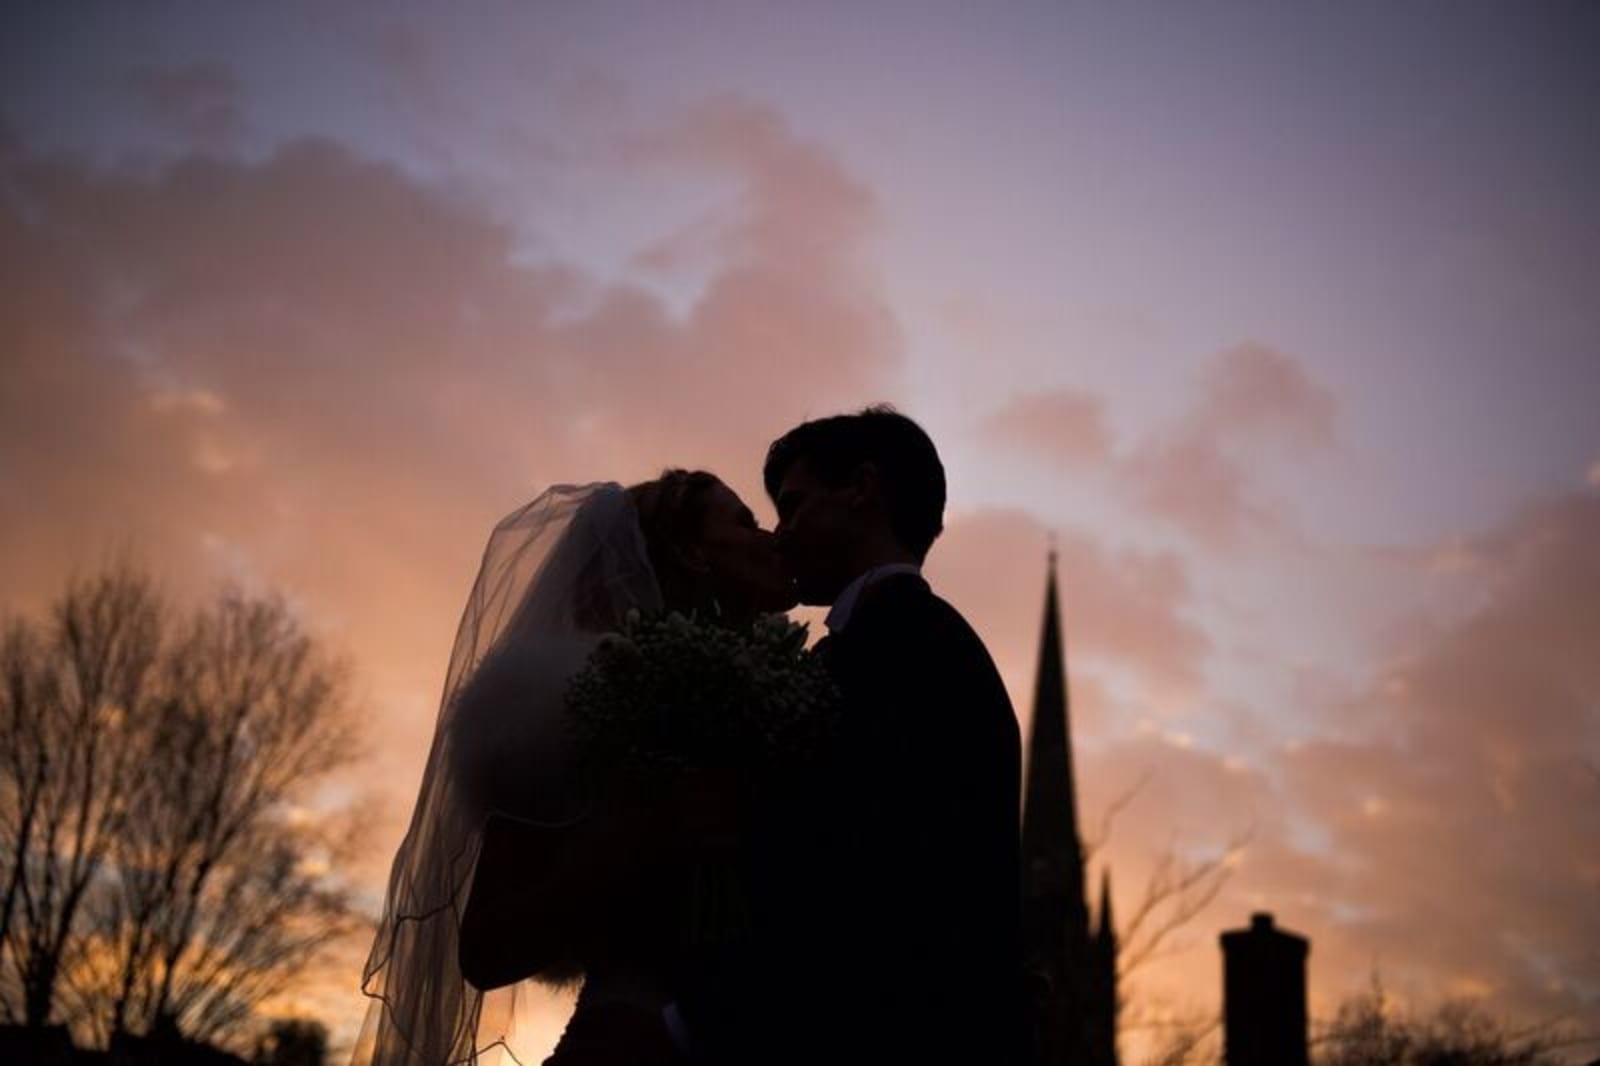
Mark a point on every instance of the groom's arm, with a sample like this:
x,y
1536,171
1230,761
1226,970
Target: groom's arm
x,y
947,879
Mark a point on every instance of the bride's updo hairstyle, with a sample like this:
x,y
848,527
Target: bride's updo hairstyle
x,y
672,515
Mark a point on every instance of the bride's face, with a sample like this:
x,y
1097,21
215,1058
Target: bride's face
x,y
741,559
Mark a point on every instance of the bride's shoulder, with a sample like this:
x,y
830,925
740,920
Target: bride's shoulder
x,y
507,724
516,688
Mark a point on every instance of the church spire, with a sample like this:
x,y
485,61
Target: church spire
x,y
1107,929
1072,967
1051,848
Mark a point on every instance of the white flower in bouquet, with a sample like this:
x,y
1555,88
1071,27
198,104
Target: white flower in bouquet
x,y
671,692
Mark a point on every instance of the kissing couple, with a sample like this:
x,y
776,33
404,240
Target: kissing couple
x,y
747,852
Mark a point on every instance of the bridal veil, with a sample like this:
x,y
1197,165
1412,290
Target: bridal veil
x,y
556,575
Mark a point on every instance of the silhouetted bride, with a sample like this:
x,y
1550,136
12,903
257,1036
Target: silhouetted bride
x,y
523,860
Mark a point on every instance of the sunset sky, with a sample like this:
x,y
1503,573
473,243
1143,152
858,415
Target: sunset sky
x,y
1283,319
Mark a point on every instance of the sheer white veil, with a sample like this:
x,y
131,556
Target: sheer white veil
x,y
556,575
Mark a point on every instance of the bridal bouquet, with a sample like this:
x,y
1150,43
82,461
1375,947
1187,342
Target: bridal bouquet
x,y
687,703
671,692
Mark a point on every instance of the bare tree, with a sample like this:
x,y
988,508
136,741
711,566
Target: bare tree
x,y
221,892
75,690
1369,1031
22,694
166,864
1108,818
1177,890
1194,1040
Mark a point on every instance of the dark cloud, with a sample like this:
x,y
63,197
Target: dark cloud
x,y
200,102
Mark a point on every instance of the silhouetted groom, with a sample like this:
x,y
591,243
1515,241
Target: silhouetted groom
x,y
885,888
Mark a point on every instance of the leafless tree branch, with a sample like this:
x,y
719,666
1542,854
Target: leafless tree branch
x,y
162,871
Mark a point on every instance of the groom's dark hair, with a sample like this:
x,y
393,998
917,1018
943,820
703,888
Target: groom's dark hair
x,y
910,473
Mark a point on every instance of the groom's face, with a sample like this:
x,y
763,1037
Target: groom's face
x,y
815,530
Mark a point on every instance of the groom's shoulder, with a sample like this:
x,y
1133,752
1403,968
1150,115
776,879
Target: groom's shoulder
x,y
951,666
953,625
910,607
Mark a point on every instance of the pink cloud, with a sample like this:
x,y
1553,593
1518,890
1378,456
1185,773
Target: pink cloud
x,y
1189,480
319,370
1063,425
1439,824
1199,473
1253,387
1122,610
316,373
800,208
1460,813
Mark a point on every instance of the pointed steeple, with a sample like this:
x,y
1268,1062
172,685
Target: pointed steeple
x,y
1071,967
1051,848
1103,1000
1106,928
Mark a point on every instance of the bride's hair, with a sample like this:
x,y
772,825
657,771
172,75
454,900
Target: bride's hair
x,y
672,514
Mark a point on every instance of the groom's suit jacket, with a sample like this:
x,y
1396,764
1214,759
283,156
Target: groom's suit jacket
x,y
885,886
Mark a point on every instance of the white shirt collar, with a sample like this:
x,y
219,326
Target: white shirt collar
x,y
845,604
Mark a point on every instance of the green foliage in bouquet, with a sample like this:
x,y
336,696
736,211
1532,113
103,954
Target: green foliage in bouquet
x,y
671,695
673,692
